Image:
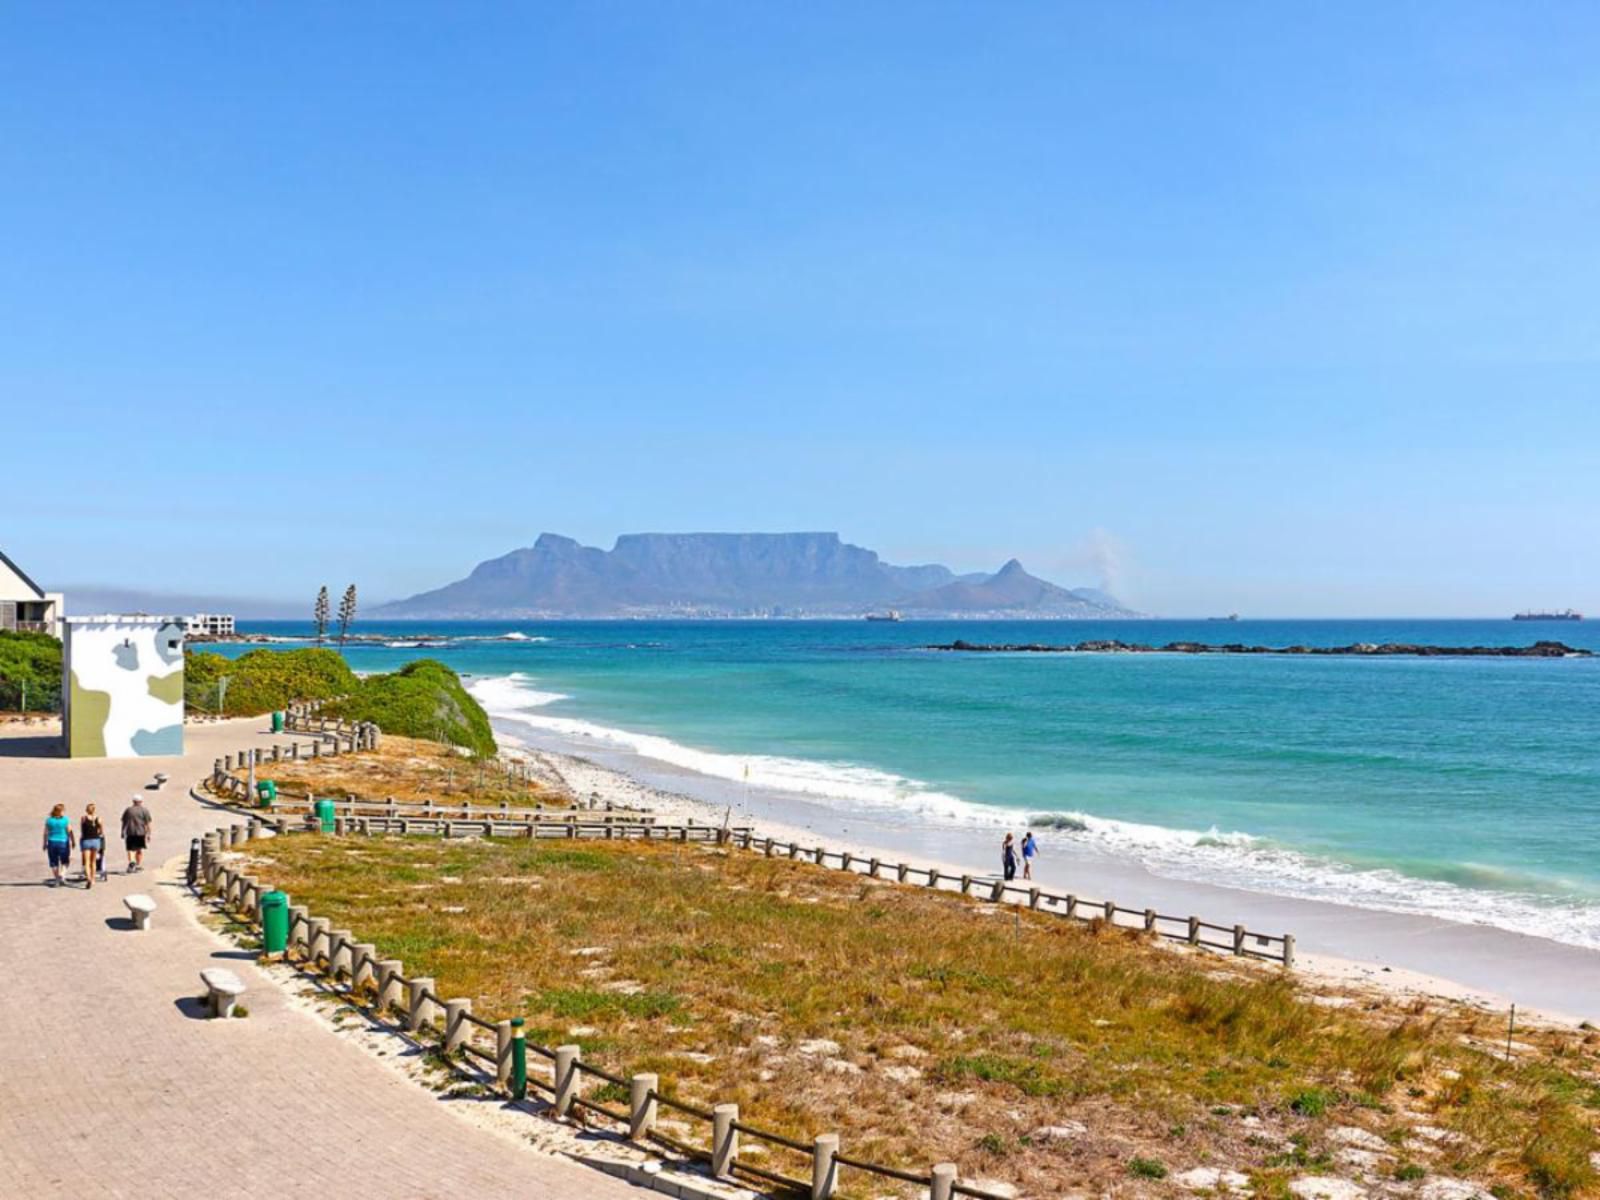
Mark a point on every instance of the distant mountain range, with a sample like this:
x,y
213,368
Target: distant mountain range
x,y
737,575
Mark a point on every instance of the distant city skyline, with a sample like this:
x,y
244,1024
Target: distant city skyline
x,y
1220,308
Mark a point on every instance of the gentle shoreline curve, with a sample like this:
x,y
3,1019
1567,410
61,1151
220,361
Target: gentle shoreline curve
x,y
1337,945
1541,649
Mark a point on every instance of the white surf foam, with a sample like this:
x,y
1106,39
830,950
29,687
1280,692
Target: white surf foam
x,y
513,698
1231,859
514,635
1258,864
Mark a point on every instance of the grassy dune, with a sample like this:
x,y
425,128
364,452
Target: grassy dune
x,y
924,1026
412,770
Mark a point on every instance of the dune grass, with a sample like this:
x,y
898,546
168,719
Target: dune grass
x,y
412,770
925,1026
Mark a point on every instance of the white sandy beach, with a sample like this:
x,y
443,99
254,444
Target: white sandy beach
x,y
1337,944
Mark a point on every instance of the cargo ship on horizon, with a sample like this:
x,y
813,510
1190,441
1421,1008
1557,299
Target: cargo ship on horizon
x,y
1565,614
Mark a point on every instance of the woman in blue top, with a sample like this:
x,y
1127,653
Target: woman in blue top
x,y
58,841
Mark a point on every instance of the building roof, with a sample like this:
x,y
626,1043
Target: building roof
x,y
22,575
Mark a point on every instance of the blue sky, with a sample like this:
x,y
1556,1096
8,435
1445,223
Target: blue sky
x,y
1284,311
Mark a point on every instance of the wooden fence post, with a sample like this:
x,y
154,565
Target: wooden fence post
x,y
566,1079
390,971
724,1140
641,1105
824,1171
502,1052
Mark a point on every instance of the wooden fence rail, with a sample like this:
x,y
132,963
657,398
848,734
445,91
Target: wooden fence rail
x,y
381,988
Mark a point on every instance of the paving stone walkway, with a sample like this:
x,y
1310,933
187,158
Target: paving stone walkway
x,y
111,1085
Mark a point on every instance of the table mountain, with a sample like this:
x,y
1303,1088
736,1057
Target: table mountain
x,y
736,575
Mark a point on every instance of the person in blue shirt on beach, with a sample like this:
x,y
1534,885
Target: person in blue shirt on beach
x,y
58,842
1029,849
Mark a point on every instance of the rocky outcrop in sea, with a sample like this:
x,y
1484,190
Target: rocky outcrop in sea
x,y
1354,650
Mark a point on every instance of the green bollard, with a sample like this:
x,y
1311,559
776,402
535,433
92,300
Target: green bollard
x,y
325,815
277,722
519,1061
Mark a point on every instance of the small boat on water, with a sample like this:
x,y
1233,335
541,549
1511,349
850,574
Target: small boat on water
x,y
1229,617
1565,614
892,615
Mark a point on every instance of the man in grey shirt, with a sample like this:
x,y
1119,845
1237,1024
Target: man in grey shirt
x,y
137,822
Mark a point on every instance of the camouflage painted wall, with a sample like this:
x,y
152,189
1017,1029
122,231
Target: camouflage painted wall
x,y
123,691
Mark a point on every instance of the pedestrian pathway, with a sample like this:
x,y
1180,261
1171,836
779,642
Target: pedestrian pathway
x,y
111,1085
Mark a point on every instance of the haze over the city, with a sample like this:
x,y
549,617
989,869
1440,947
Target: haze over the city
x,y
1238,310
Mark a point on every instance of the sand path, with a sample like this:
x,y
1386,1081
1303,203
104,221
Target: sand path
x,y
111,1086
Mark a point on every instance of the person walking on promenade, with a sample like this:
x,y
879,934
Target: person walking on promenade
x,y
137,822
92,841
1008,858
58,843
1029,849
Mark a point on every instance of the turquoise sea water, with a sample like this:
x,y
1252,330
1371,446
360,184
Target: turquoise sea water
x,y
1465,788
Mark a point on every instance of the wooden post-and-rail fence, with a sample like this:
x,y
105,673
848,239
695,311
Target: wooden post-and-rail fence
x,y
369,817
382,989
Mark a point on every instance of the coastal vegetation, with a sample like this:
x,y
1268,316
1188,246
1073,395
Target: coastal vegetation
x,y
925,1026
30,671
260,681
424,699
414,770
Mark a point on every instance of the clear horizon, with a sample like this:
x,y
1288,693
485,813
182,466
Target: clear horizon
x,y
1222,310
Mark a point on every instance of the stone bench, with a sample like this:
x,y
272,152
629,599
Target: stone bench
x,y
141,908
223,989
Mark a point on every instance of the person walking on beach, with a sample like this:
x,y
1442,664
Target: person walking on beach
x,y
137,822
92,841
1008,858
1029,849
58,843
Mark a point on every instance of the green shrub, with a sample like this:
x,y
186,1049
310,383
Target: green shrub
x,y
424,699
1311,1102
262,680
30,661
1147,1168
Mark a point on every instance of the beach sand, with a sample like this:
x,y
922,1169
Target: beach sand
x,y
1337,945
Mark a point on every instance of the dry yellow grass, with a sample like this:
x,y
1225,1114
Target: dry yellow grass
x,y
412,770
958,1030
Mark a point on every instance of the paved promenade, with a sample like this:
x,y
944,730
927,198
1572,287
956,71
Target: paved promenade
x,y
110,1085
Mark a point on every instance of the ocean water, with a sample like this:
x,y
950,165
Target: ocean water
x,y
1460,788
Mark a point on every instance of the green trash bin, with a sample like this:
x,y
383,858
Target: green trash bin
x,y
325,815
266,793
277,722
274,922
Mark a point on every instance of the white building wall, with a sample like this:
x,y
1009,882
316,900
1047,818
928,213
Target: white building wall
x,y
122,695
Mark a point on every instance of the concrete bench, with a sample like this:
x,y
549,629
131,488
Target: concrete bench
x,y
223,989
141,908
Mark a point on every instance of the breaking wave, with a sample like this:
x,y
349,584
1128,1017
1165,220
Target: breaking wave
x,y
1467,892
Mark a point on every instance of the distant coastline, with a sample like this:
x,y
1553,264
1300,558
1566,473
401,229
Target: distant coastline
x,y
1353,650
